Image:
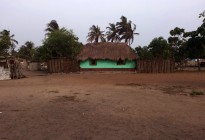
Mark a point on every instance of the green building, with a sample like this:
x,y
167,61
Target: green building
x,y
107,56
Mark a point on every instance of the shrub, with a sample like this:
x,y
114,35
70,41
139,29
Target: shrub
x,y
196,92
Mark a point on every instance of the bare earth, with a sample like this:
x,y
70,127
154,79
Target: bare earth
x,y
103,106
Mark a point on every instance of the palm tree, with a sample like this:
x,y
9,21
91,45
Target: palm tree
x,y
122,25
112,33
8,43
95,34
202,15
126,31
52,26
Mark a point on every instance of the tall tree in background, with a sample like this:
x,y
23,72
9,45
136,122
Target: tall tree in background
x,y
7,43
121,31
52,26
27,51
95,34
178,43
160,48
112,33
196,42
144,53
60,42
157,49
126,30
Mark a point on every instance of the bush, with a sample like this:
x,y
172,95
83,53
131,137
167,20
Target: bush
x,y
195,93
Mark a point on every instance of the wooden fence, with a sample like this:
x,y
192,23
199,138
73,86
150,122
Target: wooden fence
x,y
155,66
63,66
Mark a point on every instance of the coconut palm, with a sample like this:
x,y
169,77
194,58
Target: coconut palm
x,y
8,43
112,33
202,15
95,34
52,26
122,25
126,30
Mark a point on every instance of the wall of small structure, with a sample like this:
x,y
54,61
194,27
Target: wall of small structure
x,y
62,65
4,73
106,64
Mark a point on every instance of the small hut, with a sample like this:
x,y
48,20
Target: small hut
x,y
107,56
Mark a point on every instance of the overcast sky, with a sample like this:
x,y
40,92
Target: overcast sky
x,y
27,19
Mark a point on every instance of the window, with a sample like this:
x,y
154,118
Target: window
x,y
93,62
121,62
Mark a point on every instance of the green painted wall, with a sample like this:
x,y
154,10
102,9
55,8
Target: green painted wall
x,y
107,64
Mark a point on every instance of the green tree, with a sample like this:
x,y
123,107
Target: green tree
x,y
52,26
196,47
160,48
7,43
42,53
196,42
27,51
112,33
95,34
60,43
126,30
178,43
144,53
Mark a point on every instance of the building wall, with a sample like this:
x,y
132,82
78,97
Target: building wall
x,y
107,64
34,66
4,73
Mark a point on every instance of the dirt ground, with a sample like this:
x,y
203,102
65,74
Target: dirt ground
x,y
103,106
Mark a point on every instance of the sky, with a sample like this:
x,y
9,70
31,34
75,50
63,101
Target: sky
x,y
27,19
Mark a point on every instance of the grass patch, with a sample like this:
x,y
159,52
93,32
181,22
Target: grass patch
x,y
64,99
174,90
53,91
129,84
196,92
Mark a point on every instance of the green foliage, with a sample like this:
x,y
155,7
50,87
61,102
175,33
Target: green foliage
x,y
143,52
196,92
126,30
95,34
196,47
202,15
178,43
121,31
112,33
52,26
3,48
7,43
196,41
177,37
42,53
160,48
157,49
27,51
59,43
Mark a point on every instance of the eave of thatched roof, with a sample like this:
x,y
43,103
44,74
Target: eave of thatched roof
x,y
107,50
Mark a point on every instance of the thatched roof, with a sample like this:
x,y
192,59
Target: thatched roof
x,y
107,50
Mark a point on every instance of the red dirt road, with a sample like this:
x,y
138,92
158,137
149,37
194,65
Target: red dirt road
x,y
103,106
